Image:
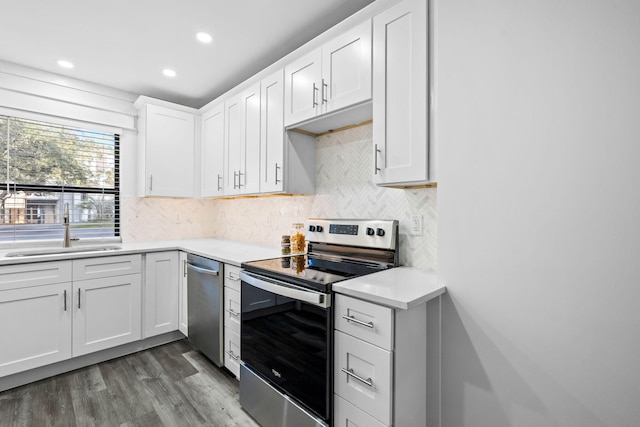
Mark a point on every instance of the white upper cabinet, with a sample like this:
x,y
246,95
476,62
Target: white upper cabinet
x,y
242,142
166,138
213,177
302,89
272,133
402,154
287,159
332,77
346,68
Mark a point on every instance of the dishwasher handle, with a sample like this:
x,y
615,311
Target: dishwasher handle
x,y
202,270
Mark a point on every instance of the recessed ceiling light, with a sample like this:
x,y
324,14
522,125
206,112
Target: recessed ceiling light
x,y
65,64
204,37
168,72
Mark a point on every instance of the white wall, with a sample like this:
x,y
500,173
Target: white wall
x,y
538,124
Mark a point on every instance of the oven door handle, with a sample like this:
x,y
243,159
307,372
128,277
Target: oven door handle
x,y
286,290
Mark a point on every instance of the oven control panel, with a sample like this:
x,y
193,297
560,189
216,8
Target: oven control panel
x,y
380,234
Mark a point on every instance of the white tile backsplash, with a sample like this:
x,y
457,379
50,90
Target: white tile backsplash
x,y
343,190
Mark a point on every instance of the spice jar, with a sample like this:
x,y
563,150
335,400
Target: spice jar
x,y
297,238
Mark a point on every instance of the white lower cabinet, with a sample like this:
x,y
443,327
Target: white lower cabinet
x,y
232,352
52,311
107,306
107,313
348,415
380,364
232,319
36,326
161,292
183,298
363,376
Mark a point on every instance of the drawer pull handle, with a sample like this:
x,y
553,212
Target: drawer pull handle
x,y
233,313
230,277
350,373
359,322
233,356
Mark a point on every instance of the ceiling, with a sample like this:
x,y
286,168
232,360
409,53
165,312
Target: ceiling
x,y
126,44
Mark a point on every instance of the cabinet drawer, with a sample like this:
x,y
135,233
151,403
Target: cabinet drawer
x,y
36,274
232,351
367,382
347,415
94,268
232,276
370,322
232,309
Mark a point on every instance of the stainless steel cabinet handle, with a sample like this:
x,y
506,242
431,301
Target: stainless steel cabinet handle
x,y
240,175
277,167
202,270
184,268
78,297
65,300
315,90
151,182
232,355
350,373
359,322
233,313
231,277
235,174
219,186
324,93
375,157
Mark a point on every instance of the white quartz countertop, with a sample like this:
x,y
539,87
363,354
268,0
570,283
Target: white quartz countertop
x,y
226,251
400,287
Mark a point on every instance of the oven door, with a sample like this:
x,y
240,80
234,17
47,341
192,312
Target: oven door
x,y
286,336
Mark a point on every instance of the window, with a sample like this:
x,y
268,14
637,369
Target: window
x,y
45,167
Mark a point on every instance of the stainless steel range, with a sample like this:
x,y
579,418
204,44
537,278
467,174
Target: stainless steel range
x,y
287,319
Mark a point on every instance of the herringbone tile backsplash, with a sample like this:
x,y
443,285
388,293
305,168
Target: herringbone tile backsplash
x,y
343,190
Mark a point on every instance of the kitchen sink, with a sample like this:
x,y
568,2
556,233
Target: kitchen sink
x,y
61,251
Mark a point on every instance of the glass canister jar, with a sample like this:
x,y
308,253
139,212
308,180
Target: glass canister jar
x,y
285,244
297,238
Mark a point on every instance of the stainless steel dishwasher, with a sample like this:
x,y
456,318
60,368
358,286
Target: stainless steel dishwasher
x,y
205,302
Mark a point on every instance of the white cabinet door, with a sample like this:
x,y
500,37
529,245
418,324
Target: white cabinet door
x,y
232,309
161,292
249,178
107,313
169,138
232,352
346,69
348,415
272,134
303,79
363,376
36,327
183,297
233,143
400,90
213,152
242,142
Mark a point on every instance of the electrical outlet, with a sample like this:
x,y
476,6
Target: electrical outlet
x,y
416,225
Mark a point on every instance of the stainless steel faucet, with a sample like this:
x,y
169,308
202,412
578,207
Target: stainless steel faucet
x,y
66,240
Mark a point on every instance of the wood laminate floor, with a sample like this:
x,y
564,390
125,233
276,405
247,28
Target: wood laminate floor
x,y
169,385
